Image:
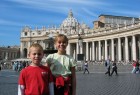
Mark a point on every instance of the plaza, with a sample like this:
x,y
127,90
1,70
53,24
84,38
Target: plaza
x,y
95,83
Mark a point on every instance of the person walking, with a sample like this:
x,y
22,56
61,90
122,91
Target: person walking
x,y
86,67
107,65
137,67
114,68
62,66
134,66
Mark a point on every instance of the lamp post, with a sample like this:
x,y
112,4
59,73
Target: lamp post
x,y
50,48
80,56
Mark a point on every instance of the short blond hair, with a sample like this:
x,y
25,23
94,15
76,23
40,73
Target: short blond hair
x,y
61,36
36,45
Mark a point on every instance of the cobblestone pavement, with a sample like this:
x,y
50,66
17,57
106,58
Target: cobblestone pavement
x,y
95,83
100,84
8,82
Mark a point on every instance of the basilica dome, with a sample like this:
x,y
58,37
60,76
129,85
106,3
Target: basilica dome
x,y
70,21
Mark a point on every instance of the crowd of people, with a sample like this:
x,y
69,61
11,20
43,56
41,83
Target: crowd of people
x,y
19,65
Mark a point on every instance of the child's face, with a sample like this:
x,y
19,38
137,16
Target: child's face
x,y
36,55
61,44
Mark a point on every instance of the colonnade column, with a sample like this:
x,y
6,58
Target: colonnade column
x,y
90,52
77,48
139,47
126,49
81,48
99,49
93,50
119,50
87,51
134,47
106,50
45,45
112,48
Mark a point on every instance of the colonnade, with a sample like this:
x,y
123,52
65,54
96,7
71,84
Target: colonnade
x,y
125,48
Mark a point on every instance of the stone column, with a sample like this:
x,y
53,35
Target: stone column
x,y
96,50
93,50
106,50
43,45
112,49
21,49
68,49
87,51
77,48
126,49
139,46
134,47
81,48
99,49
119,50
28,47
90,52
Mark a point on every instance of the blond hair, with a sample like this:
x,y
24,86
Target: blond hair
x,y
61,36
36,45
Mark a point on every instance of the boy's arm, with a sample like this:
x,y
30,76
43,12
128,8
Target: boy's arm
x,y
21,90
51,83
73,81
21,86
51,88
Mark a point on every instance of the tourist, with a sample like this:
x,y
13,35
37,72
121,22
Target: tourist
x,y
107,65
114,68
36,79
86,67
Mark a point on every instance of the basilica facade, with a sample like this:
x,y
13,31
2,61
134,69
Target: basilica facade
x,y
114,37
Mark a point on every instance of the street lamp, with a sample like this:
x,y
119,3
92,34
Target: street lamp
x,y
50,48
80,56
80,41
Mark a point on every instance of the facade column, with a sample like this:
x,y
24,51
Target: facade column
x,y
29,44
112,49
103,51
90,52
68,49
99,49
119,50
134,47
106,50
43,42
77,48
87,51
21,50
96,52
139,47
74,54
93,51
81,49
126,49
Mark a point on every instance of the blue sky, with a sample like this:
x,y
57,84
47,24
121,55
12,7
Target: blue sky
x,y
15,14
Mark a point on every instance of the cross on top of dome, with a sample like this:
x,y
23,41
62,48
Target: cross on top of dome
x,y
70,15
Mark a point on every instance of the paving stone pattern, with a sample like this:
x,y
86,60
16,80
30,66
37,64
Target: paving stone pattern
x,y
95,83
